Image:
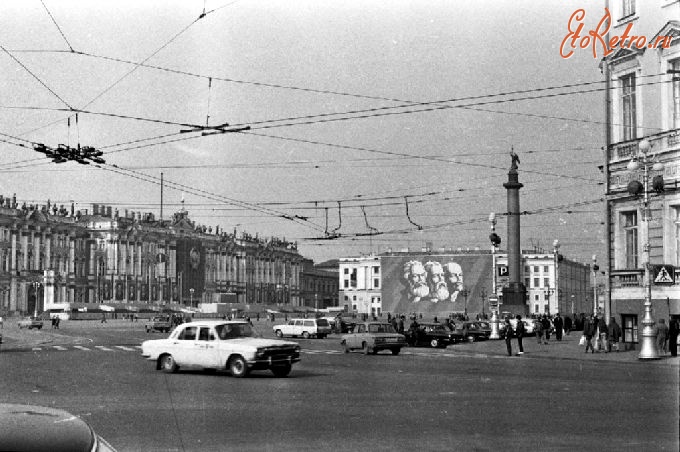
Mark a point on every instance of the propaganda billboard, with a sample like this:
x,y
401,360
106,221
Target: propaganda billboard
x,y
191,264
436,284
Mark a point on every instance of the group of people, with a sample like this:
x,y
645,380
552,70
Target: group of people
x,y
607,337
544,326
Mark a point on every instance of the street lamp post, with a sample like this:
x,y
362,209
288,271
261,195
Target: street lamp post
x,y
596,302
495,241
191,297
556,251
648,347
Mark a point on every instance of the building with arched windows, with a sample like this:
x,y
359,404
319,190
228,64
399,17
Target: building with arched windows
x,y
59,260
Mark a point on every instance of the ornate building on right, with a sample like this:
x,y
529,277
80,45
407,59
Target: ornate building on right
x,y
642,168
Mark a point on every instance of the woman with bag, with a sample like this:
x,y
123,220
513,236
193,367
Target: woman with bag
x,y
589,329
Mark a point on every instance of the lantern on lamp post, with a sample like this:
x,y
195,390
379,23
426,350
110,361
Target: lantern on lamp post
x,y
644,159
495,242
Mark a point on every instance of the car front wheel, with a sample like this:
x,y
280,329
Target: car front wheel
x,y
434,343
366,349
168,364
305,335
282,370
238,367
395,351
279,333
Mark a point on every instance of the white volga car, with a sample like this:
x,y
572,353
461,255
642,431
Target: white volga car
x,y
221,344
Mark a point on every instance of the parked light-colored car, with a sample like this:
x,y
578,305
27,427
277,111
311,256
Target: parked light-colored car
x,y
372,337
30,323
305,328
221,344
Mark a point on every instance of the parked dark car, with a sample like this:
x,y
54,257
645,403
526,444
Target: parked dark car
x,y
474,330
483,331
431,334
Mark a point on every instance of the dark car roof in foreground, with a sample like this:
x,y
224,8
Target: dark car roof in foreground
x,y
31,428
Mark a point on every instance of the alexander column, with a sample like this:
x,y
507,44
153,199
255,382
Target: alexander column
x,y
514,293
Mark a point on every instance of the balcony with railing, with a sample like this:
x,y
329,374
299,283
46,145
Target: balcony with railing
x,y
627,278
661,142
634,278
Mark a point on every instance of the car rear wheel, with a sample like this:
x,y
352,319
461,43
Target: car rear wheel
x,y
305,335
345,346
279,333
168,364
282,370
366,349
434,343
395,351
238,367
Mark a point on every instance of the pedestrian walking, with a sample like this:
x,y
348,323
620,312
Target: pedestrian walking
x,y
614,334
662,337
400,326
558,322
568,325
545,322
589,329
519,333
673,331
508,336
538,329
603,334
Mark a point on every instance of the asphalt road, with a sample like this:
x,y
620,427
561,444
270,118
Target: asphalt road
x,y
423,399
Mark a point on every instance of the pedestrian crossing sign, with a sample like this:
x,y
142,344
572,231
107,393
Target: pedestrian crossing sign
x,y
664,274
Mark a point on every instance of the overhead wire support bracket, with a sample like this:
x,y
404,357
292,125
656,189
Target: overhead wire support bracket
x,y
212,130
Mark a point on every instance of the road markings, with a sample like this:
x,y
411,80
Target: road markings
x,y
80,347
102,348
127,349
321,352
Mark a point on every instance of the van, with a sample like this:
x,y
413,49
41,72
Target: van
x,y
305,328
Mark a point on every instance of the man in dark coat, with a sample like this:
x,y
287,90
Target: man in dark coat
x,y
559,325
567,324
509,333
519,332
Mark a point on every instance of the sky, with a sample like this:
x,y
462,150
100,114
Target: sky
x,y
374,125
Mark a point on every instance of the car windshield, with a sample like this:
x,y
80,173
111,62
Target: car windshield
x,y
380,328
234,330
